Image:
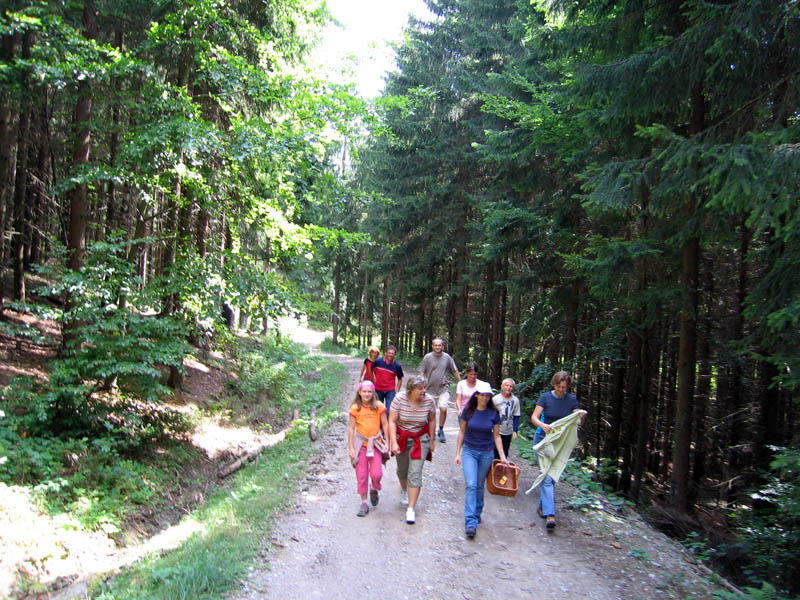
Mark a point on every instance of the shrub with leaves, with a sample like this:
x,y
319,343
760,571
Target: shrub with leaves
x,y
770,533
107,382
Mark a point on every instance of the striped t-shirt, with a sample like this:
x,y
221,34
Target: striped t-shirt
x,y
410,418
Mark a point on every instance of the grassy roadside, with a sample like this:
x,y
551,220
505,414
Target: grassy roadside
x,y
229,531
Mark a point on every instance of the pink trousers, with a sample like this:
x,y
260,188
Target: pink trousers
x,y
368,467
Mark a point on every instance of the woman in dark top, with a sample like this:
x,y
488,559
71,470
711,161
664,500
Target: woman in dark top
x,y
479,432
551,407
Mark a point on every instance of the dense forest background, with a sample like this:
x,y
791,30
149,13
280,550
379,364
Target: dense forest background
x,y
610,188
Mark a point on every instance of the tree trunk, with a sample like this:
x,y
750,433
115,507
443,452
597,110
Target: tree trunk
x,y
687,357
498,342
386,312
21,186
612,442
732,465
420,341
337,286
571,343
9,46
113,151
38,225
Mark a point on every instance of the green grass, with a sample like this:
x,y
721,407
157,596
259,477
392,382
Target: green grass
x,y
235,523
327,346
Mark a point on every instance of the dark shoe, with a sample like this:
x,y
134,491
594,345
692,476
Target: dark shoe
x,y
442,439
539,512
362,512
471,531
551,522
373,497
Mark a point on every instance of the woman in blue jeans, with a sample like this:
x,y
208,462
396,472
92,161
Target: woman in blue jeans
x,y
478,433
551,407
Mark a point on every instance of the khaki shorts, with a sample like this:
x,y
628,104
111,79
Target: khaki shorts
x,y
411,468
443,399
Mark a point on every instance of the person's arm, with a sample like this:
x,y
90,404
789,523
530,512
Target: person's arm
x,y
517,414
393,432
350,433
399,385
459,397
363,372
455,370
462,429
516,427
498,442
537,412
384,426
583,416
432,428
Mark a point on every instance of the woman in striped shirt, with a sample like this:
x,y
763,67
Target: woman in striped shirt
x,y
412,424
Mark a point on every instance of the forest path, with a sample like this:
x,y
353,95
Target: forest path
x,y
321,549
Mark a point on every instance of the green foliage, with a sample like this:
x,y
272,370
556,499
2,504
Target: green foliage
x,y
769,533
765,592
639,554
699,546
262,380
342,348
112,346
587,477
88,478
234,521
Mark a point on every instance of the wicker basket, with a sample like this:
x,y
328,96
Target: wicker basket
x,y
499,486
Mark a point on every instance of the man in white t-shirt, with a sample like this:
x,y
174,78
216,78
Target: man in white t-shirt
x,y
436,367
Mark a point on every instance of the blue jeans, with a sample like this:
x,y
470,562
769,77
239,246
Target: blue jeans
x,y
547,489
476,465
386,398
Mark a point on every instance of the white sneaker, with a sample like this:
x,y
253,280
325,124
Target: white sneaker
x,y
411,516
404,499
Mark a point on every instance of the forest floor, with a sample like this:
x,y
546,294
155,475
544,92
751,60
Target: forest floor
x,y
321,549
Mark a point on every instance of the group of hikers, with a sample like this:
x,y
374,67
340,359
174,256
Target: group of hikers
x,y
388,419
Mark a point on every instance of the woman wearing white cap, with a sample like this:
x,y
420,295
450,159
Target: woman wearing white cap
x,y
479,432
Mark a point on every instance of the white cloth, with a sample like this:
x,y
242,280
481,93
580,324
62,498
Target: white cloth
x,y
554,450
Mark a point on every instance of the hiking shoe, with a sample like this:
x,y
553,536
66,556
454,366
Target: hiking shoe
x,y
471,531
362,512
539,512
373,497
442,439
411,516
404,499
551,522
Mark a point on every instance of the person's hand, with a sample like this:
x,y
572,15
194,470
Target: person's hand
x,y
514,435
458,459
546,428
352,455
395,448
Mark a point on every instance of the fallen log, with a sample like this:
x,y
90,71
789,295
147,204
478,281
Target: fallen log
x,y
239,462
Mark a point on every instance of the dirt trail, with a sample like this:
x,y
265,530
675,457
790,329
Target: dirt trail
x,y
320,549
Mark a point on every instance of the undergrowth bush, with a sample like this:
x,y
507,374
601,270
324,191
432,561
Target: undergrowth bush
x,y
769,533
273,377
